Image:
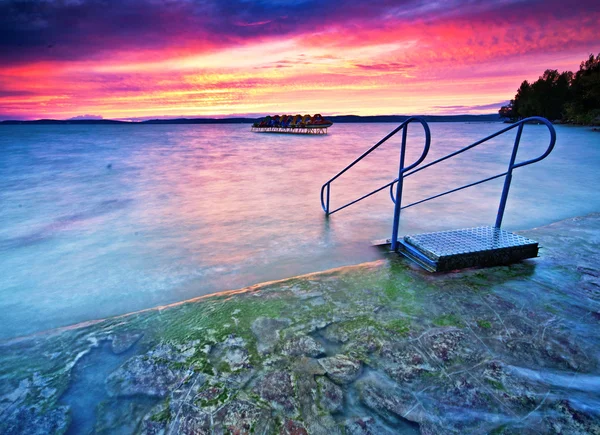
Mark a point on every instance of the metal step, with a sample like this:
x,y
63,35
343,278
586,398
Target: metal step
x,y
471,247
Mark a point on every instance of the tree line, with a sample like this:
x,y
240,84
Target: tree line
x,y
566,97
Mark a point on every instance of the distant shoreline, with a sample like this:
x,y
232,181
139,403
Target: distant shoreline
x,y
343,119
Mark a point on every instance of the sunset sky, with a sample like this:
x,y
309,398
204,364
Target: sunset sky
x,y
135,59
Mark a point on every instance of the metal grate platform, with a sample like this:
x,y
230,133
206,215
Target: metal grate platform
x,y
470,247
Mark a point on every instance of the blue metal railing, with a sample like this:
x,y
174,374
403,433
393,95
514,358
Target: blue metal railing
x,y
511,166
404,128
410,170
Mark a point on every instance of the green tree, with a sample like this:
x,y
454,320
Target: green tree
x,y
585,88
567,96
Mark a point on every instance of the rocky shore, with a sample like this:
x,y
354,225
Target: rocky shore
x,y
378,348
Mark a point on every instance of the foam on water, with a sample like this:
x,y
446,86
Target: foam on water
x,y
102,220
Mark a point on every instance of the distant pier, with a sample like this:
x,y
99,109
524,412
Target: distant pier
x,y
291,130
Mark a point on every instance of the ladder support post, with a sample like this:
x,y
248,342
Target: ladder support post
x,y
508,178
398,203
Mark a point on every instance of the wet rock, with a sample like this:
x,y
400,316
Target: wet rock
x,y
366,426
231,355
113,417
291,427
303,345
121,343
331,397
277,389
30,420
439,428
549,350
179,353
341,368
266,331
308,366
566,419
143,375
151,427
464,391
391,401
192,421
513,390
365,341
445,343
336,333
242,417
404,362
306,389
212,395
156,421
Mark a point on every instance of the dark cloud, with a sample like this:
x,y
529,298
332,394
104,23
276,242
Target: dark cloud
x,y
68,29
15,93
492,106
85,117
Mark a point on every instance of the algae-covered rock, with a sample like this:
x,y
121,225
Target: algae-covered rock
x,y
366,426
303,345
30,420
291,427
266,331
143,375
341,368
113,417
404,362
243,417
445,343
193,421
391,401
331,396
121,343
277,389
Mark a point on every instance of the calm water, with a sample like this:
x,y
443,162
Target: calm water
x,y
102,220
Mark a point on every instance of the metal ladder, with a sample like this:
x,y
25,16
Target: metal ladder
x,y
429,250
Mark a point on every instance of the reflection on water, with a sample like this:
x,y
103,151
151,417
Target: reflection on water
x,y
101,220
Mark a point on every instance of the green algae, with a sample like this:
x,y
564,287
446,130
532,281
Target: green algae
x,y
448,320
399,326
163,416
484,324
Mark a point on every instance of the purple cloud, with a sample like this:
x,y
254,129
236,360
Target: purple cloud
x,y
67,30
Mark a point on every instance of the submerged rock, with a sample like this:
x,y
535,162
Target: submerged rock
x,y
291,427
31,420
143,375
331,397
391,401
366,426
121,343
341,368
266,331
242,417
277,389
303,345
403,362
192,421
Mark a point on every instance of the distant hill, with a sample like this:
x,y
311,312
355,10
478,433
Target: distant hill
x,y
336,119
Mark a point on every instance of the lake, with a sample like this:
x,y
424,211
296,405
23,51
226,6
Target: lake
x,y
100,220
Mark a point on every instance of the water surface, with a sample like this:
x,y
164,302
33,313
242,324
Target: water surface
x,y
101,220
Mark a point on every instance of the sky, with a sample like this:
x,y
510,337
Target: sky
x,y
134,59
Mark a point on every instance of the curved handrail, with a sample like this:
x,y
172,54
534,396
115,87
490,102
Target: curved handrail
x,y
402,126
512,165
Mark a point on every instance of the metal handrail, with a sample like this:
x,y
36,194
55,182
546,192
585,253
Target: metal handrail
x,y
404,172
403,127
512,165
